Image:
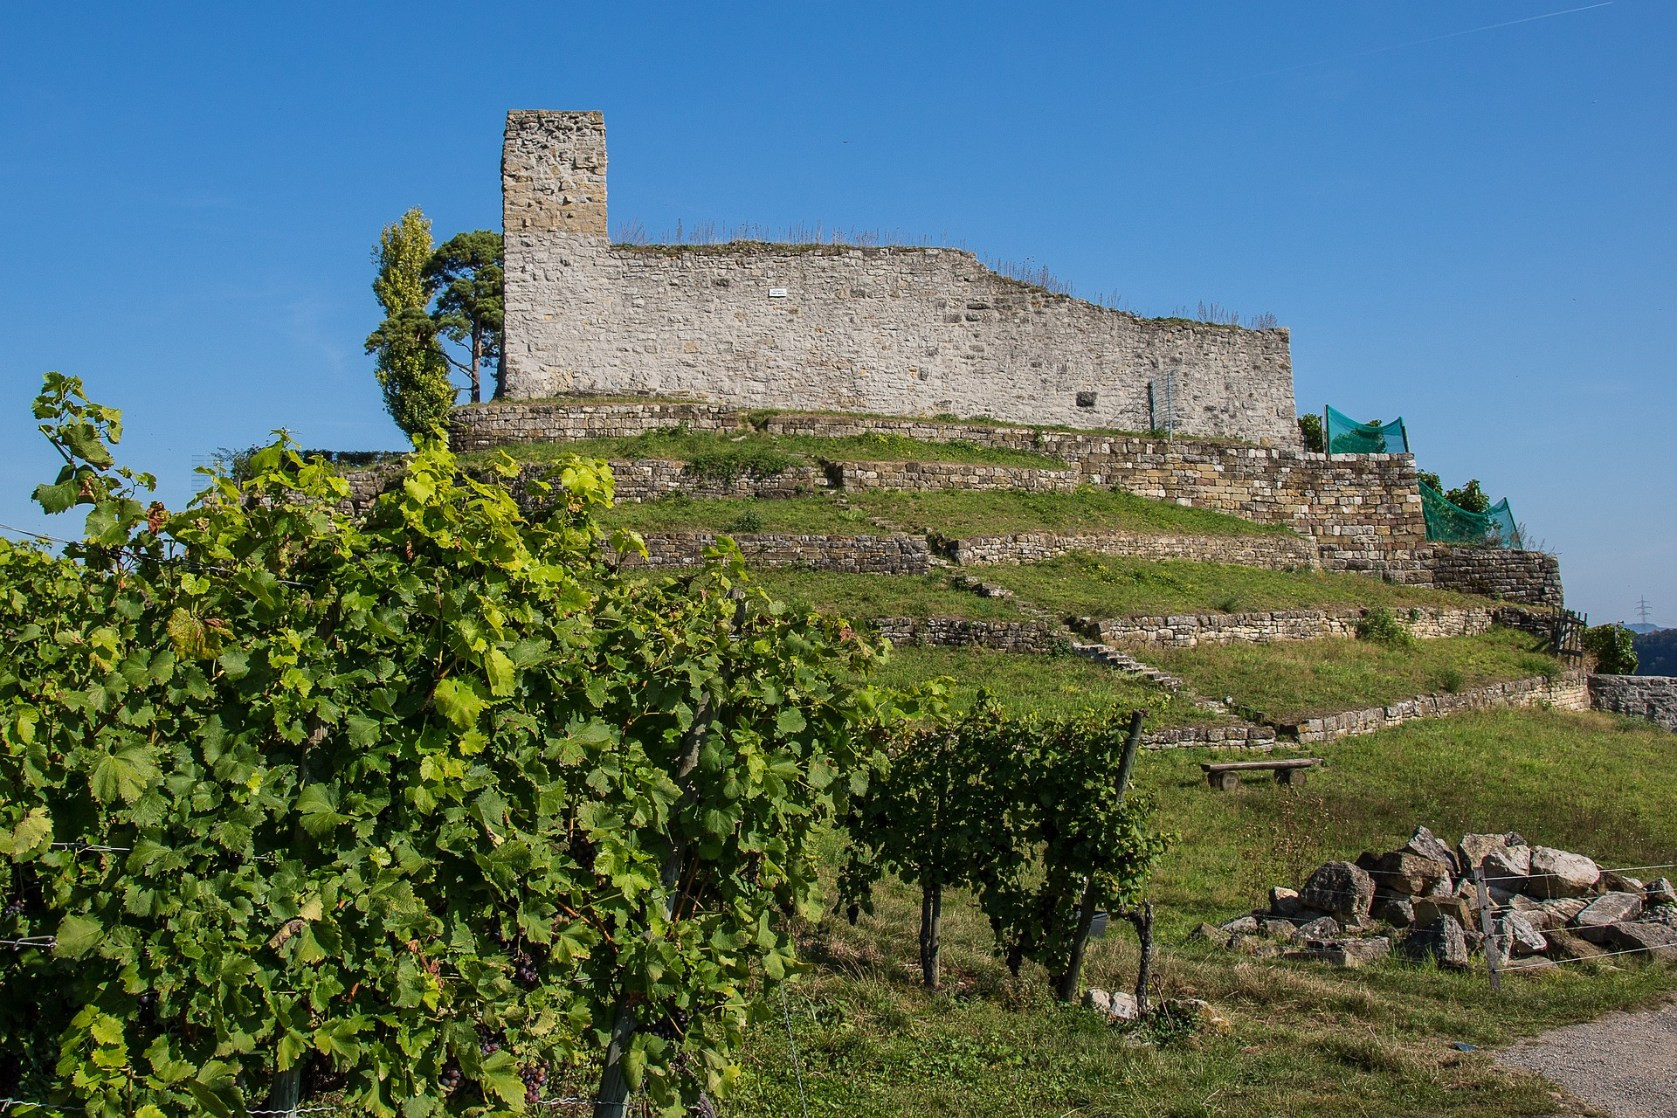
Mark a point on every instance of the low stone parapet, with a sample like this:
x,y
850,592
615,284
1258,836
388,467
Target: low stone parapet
x,y
894,555
960,632
1569,691
482,426
1267,626
1653,697
925,477
647,479
1275,552
1237,736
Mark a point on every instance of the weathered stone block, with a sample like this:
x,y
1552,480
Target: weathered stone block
x,y
1339,888
1560,873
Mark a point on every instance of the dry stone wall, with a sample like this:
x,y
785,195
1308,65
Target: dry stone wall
x,y
1569,691
902,331
1653,697
1038,637
1188,630
1530,577
1364,511
1279,553
888,555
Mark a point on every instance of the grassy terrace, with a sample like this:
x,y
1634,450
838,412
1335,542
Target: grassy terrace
x,y
1294,679
1101,586
953,513
861,596
1053,686
716,453
797,515
1306,1040
961,513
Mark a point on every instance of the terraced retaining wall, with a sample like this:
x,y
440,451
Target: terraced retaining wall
x,y
1188,630
1237,736
1531,577
959,632
892,555
647,479
1364,511
1569,691
1279,553
1653,697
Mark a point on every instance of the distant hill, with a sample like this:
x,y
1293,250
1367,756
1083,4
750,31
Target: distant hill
x,y
1641,627
1657,652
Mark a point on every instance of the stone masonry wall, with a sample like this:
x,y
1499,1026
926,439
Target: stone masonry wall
x,y
959,632
1530,577
1364,511
647,479
1277,553
901,331
1188,630
1653,697
1570,691
890,555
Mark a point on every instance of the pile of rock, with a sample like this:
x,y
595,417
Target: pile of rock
x,y
1423,900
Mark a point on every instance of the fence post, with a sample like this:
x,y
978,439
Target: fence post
x,y
1492,964
1066,986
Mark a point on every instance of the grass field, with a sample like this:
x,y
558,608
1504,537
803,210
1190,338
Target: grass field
x,y
858,597
1047,685
1102,586
1305,1039
959,513
1288,680
716,453
796,515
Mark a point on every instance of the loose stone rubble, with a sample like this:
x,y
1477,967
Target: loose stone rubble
x,y
1422,901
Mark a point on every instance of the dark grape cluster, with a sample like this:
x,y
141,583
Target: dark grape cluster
x,y
489,1047
672,1027
14,907
524,970
535,1078
451,1078
704,1108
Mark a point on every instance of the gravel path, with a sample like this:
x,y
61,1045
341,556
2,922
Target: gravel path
x,y
1624,1063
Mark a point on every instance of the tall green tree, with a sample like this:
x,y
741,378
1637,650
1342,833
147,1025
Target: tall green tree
x,y
410,365
468,272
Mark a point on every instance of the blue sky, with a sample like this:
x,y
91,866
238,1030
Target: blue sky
x,y
1469,225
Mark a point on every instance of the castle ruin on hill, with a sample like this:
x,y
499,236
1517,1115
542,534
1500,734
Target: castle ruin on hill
x,y
891,331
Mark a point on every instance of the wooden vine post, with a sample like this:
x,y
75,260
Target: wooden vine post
x,y
1066,988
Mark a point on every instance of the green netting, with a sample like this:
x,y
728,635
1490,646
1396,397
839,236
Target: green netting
x,y
1346,436
1450,523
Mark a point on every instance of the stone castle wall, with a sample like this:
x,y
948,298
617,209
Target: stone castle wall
x,y
1276,553
900,331
1653,697
1529,577
1267,626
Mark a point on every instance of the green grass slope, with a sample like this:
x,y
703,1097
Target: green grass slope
x,y
1290,680
1105,586
1305,1039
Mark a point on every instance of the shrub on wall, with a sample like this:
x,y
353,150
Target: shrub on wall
x,y
1614,649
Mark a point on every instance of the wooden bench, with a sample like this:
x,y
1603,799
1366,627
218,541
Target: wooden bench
x,y
1226,778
